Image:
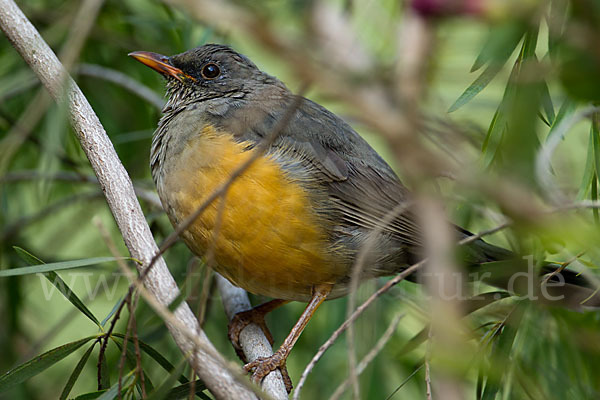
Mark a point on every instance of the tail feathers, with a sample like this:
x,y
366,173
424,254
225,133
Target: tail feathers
x,y
550,284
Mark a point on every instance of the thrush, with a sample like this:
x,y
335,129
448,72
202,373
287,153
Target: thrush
x,y
292,223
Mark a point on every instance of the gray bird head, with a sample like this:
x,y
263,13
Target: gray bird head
x,y
205,73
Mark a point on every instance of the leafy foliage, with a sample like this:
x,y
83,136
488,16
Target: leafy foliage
x,y
527,61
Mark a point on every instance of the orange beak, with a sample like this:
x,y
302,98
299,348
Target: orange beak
x,y
161,64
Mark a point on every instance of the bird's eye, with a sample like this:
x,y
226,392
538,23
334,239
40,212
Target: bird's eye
x,y
210,71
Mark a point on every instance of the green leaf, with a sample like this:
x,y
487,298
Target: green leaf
x,y
589,173
164,388
501,352
494,136
595,135
156,356
76,372
112,312
38,364
91,395
477,86
500,44
546,100
27,256
58,283
567,108
594,196
505,141
113,392
182,391
38,269
595,132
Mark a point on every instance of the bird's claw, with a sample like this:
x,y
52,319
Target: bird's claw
x,y
263,366
242,320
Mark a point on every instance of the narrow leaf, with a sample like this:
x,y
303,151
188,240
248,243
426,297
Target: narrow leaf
x,y
546,100
58,283
594,196
500,44
567,108
502,351
162,361
76,372
494,136
38,364
38,269
183,390
112,312
477,86
595,132
91,395
589,173
164,388
113,392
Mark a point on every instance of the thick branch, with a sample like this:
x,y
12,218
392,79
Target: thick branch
x,y
118,189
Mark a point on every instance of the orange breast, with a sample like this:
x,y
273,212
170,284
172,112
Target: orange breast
x,y
270,241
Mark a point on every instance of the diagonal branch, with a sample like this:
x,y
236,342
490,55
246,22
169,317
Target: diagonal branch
x,y
120,196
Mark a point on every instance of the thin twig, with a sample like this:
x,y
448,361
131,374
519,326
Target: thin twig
x,y
359,310
64,176
120,79
427,370
357,269
370,356
131,324
124,349
404,382
210,260
136,346
197,345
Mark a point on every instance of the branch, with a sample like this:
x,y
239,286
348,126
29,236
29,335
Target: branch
x,y
119,78
120,196
252,339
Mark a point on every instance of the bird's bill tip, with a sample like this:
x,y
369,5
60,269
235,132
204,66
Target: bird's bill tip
x,y
159,63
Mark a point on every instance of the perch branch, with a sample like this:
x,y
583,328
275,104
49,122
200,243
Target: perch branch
x,y
120,196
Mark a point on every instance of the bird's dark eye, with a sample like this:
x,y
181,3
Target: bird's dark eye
x,y
210,71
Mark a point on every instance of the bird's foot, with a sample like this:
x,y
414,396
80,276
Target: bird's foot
x,y
242,320
263,366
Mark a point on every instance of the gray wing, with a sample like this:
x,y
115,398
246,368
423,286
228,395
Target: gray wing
x,y
361,186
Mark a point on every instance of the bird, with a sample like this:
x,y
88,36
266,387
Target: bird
x,y
292,223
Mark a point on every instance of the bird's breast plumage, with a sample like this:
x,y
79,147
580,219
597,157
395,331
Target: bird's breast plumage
x,y
269,239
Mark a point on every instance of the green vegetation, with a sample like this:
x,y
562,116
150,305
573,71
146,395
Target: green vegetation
x,y
509,126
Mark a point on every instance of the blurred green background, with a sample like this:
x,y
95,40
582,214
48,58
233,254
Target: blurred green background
x,y
50,205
